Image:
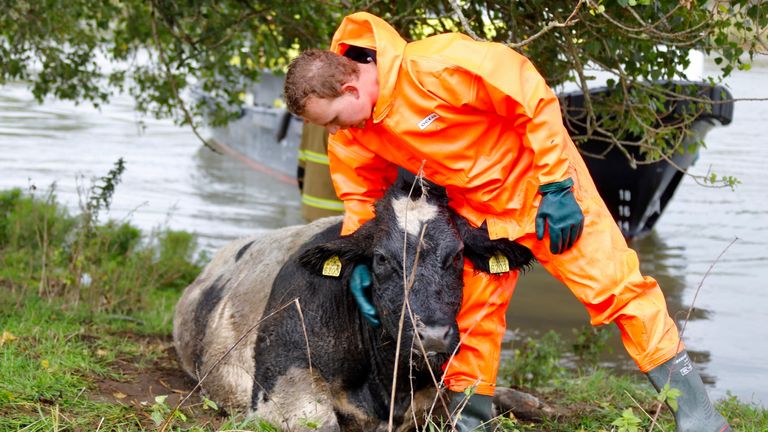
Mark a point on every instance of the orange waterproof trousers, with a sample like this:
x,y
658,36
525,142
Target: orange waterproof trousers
x,y
600,269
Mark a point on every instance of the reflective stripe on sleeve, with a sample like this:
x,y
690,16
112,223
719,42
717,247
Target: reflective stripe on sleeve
x,y
310,156
326,204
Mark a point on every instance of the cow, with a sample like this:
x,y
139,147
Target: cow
x,y
308,359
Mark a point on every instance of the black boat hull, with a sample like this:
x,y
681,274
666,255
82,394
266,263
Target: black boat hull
x,y
637,195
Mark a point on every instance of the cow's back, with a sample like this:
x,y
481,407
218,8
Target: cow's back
x,y
225,301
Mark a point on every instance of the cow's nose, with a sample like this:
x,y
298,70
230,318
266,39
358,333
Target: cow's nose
x,y
436,339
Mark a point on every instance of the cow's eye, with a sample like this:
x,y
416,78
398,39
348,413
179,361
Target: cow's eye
x,y
458,259
379,259
454,261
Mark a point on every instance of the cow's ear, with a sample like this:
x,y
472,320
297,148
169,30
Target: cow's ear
x,y
351,249
480,249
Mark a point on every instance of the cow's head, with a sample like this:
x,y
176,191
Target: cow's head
x,y
436,243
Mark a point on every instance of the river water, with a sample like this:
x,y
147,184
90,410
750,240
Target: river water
x,y
172,181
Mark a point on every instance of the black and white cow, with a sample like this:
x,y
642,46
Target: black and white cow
x,y
342,379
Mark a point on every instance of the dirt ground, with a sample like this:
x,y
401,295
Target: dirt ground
x,y
143,379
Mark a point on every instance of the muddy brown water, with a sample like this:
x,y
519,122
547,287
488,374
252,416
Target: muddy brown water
x,y
172,181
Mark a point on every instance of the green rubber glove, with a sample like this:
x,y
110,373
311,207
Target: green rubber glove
x,y
360,284
561,214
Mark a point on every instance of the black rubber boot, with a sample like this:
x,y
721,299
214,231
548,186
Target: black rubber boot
x,y
695,412
471,413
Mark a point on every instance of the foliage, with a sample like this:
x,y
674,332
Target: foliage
x,y
86,51
590,343
55,358
594,399
507,424
72,290
102,191
47,367
160,410
669,395
26,223
534,364
747,417
598,400
628,422
109,266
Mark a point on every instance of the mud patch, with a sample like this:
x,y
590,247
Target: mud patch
x,y
142,379
139,387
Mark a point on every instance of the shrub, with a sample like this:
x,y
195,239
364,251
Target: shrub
x,y
536,363
109,266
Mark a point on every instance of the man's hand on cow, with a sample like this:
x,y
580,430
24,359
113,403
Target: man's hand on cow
x,y
560,213
360,284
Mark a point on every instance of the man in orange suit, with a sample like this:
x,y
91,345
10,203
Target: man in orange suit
x,y
481,121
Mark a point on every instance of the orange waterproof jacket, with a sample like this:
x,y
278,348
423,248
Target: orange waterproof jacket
x,y
479,116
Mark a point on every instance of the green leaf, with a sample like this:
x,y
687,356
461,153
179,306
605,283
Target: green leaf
x,y
669,395
209,404
180,415
628,422
157,417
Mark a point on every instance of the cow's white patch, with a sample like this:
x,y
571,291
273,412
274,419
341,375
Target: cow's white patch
x,y
297,401
411,215
231,379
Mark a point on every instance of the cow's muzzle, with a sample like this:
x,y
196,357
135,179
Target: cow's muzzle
x,y
437,339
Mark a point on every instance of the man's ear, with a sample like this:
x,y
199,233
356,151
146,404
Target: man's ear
x,y
351,88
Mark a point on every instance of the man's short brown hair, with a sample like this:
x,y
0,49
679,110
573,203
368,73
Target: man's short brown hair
x,y
317,73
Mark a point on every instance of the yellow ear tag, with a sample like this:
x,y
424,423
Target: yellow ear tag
x,y
332,267
498,264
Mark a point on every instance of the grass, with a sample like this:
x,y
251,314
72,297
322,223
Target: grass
x,y
86,317
50,364
62,369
